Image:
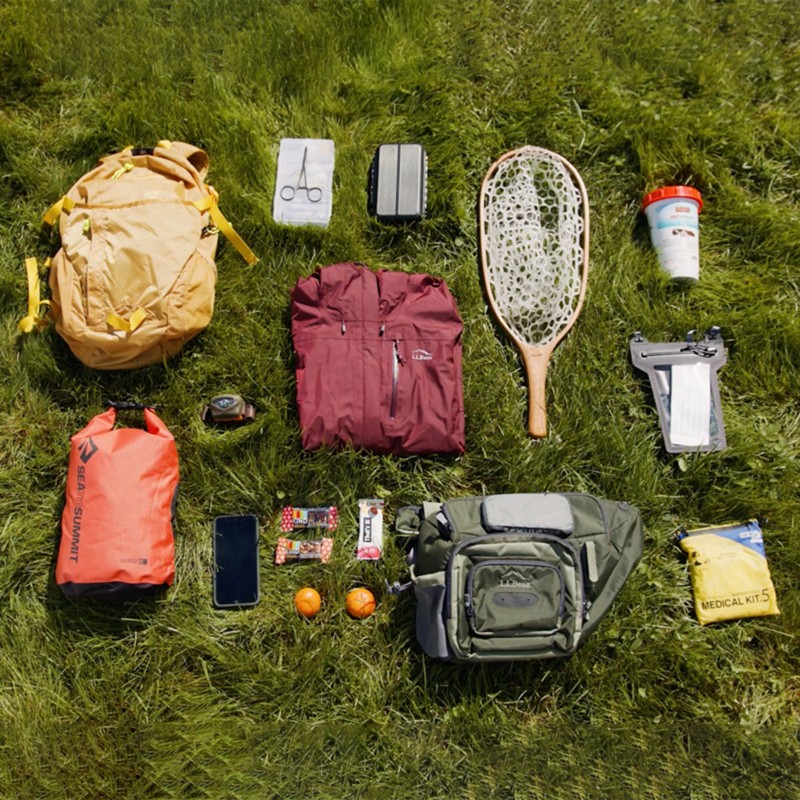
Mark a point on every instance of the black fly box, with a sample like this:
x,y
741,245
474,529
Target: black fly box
x,y
398,183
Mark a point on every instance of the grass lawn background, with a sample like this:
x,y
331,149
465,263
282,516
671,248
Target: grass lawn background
x,y
174,699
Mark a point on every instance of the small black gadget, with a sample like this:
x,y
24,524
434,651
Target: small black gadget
x,y
235,583
227,410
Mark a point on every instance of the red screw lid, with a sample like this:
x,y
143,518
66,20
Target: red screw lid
x,y
673,191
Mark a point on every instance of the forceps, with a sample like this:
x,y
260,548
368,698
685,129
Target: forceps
x,y
313,193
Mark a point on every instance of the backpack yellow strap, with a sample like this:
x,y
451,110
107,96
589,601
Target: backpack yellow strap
x,y
129,325
209,203
33,320
65,204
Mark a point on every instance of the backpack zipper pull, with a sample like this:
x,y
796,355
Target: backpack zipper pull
x,y
122,170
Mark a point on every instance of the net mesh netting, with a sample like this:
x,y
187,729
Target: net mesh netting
x,y
532,245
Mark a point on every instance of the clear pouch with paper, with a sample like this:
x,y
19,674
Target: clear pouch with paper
x,y
683,377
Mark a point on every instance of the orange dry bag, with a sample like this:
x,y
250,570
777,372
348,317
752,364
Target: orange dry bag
x,y
116,529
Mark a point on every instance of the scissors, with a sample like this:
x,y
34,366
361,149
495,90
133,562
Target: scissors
x,y
313,193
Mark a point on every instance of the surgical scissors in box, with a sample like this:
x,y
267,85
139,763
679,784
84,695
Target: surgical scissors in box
x,y
313,193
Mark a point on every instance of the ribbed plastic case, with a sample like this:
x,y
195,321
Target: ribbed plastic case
x,y
398,183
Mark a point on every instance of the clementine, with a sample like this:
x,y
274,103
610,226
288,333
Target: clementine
x,y
360,603
307,602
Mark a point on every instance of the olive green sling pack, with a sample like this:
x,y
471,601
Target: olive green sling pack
x,y
516,576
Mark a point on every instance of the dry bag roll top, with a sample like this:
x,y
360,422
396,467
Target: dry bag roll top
x,y
135,276
378,361
116,528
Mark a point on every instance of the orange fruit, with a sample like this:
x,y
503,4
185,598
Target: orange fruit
x,y
307,602
359,603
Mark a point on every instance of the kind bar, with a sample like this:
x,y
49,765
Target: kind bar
x,y
326,518
370,530
289,551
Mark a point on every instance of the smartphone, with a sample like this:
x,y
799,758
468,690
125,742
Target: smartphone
x,y
236,583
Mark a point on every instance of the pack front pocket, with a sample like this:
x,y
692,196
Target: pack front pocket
x,y
515,598
513,595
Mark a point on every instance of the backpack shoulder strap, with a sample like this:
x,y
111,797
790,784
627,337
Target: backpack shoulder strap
x,y
65,204
209,203
33,319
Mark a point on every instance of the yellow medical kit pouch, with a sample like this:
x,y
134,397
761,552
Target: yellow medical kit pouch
x,y
729,572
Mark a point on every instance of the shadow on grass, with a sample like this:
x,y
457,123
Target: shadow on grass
x,y
449,684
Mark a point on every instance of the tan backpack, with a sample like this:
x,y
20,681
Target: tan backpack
x,y
134,278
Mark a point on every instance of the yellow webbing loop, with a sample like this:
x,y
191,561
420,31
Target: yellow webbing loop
x,y
129,325
209,203
33,320
65,204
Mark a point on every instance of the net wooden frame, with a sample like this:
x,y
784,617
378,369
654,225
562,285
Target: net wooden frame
x,y
533,218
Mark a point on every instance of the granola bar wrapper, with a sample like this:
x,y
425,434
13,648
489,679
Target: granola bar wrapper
x,y
291,551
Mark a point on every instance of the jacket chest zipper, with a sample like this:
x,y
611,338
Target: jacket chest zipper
x,y
397,362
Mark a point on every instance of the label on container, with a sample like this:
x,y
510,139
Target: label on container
x,y
675,233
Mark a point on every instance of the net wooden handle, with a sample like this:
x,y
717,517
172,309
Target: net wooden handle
x,y
536,361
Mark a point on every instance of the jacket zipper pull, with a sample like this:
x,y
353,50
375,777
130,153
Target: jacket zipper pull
x,y
396,363
344,327
383,329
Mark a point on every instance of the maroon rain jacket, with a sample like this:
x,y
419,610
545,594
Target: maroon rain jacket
x,y
378,361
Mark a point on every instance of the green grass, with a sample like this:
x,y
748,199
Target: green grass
x,y
172,699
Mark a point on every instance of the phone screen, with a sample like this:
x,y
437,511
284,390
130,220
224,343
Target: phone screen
x,y
235,561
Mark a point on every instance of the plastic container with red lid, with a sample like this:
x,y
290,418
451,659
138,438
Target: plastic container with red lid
x,y
672,212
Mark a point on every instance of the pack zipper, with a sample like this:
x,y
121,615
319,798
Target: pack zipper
x,y
688,347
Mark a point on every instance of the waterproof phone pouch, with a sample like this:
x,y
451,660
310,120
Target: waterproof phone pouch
x,y
683,378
